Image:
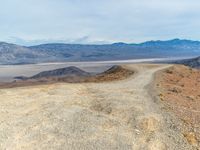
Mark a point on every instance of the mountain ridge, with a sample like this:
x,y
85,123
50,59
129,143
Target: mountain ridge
x,y
56,52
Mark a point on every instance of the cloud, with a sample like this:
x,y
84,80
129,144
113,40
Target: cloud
x,y
93,20
81,40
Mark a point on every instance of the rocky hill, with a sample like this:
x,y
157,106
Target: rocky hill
x,y
70,75
68,71
194,63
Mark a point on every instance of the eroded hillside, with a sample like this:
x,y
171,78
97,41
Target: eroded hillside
x,y
179,90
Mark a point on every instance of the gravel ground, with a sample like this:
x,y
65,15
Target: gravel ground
x,y
97,116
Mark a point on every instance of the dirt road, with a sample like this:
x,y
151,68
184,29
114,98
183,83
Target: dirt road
x,y
111,115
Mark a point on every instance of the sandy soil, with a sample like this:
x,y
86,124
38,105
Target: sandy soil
x,y
179,89
111,115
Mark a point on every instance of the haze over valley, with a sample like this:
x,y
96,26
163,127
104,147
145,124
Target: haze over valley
x,y
55,52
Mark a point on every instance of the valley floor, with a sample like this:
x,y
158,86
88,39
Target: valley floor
x,y
111,115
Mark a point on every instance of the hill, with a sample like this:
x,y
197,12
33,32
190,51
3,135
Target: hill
x,y
68,71
194,63
70,75
178,88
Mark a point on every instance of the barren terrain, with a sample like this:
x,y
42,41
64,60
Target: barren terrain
x,y
179,89
109,115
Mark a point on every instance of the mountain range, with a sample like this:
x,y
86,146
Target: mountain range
x,y
60,52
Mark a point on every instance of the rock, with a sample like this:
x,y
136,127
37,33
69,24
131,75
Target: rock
x,y
149,124
157,145
175,90
192,98
191,138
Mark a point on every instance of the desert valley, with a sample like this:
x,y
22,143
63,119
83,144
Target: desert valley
x,y
99,75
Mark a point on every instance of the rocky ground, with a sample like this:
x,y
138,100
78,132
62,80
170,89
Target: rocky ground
x,y
121,114
179,90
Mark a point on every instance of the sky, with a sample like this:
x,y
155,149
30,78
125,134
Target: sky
x,y
30,22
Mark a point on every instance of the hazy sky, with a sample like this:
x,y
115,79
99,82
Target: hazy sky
x,y
98,21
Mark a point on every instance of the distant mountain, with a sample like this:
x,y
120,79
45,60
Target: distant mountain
x,y
15,54
194,63
174,42
11,53
117,51
57,52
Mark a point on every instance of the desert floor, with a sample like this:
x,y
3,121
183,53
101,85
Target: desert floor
x,y
89,116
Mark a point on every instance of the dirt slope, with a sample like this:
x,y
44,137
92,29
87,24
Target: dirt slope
x,y
179,88
110,115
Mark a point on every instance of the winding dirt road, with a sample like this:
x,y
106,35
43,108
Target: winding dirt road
x,y
89,116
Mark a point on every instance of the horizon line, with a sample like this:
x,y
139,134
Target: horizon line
x,y
108,43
